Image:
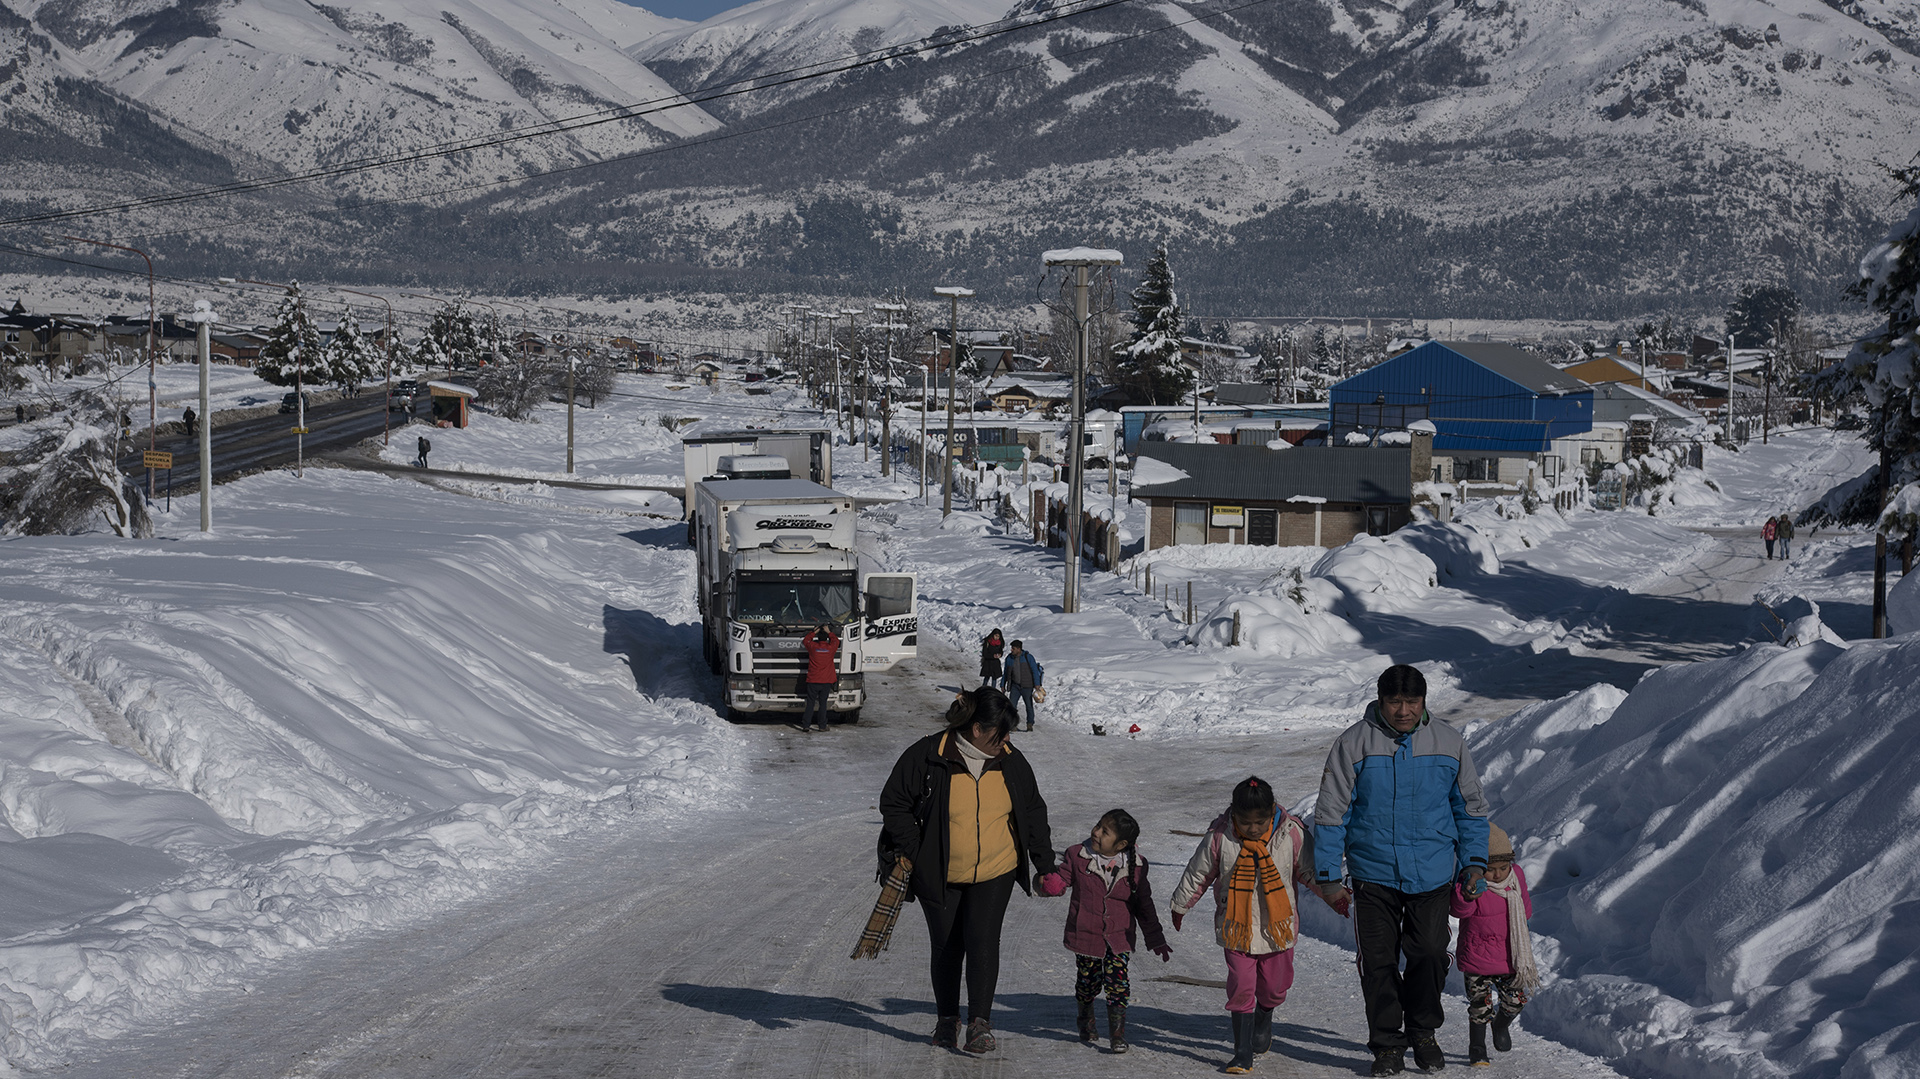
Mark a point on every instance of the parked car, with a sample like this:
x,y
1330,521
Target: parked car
x,y
404,393
292,402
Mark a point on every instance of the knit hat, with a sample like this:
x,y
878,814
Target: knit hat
x,y
1498,845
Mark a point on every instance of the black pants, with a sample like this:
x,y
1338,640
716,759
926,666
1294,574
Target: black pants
x,y
965,931
1390,923
819,694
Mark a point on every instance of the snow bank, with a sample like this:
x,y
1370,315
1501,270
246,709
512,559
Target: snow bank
x,y
1723,862
345,709
1455,550
1903,605
1291,618
1376,573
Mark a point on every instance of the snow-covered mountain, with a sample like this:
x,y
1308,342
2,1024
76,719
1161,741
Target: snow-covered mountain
x,y
780,35
308,85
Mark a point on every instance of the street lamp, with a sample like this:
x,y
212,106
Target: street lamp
x,y
153,389
954,294
1082,259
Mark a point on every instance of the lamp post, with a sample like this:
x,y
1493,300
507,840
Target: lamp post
x,y
890,312
203,314
1082,259
386,419
954,294
153,319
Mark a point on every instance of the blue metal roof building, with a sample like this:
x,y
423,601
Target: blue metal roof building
x,y
1481,398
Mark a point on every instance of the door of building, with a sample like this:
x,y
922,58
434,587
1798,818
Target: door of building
x,y
1262,528
1189,522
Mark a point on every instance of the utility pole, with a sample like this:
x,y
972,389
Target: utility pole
x,y
1766,389
570,359
1730,386
153,323
891,312
954,294
853,342
1082,259
386,422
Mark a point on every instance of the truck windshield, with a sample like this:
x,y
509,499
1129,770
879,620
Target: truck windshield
x,y
794,603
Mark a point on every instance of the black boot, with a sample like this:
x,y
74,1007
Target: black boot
x,y
1242,1061
1089,1029
1389,1062
1117,1027
1262,1030
1477,1045
1502,1038
1426,1051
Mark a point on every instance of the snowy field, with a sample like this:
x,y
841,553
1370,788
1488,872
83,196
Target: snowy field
x,y
369,712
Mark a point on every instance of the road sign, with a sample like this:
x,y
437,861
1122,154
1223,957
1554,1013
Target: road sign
x,y
301,431
156,458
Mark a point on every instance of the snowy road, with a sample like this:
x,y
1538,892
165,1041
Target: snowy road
x,y
722,949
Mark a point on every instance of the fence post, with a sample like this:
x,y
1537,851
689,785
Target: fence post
x,y
1189,603
1236,627
1149,588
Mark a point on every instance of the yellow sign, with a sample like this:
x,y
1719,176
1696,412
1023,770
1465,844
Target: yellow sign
x,y
301,430
1229,517
157,458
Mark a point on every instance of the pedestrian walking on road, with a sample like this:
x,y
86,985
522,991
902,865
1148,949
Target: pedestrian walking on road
x,y
1768,532
823,673
1023,677
964,807
187,419
1251,857
19,413
1783,531
1108,877
1496,949
425,447
1401,804
990,651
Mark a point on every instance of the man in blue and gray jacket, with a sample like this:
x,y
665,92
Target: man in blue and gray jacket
x,y
1401,804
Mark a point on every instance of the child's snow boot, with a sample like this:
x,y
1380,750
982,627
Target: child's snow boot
x,y
1089,1028
1242,1061
1117,1027
1502,1038
1477,1046
1262,1030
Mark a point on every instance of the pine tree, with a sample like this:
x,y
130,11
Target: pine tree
x,y
350,360
293,354
1152,364
454,337
1885,366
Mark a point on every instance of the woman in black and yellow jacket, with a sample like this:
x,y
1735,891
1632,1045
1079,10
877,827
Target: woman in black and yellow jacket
x,y
963,804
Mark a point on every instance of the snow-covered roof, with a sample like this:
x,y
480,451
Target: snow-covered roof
x,y
1093,256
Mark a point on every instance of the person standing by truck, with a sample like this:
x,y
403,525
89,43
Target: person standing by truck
x,y
823,673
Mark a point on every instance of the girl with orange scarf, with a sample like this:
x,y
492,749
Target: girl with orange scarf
x,y
1249,857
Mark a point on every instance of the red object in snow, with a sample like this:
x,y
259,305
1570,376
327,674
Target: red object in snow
x,y
1134,729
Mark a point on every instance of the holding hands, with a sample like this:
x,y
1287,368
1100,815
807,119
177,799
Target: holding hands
x,y
1473,881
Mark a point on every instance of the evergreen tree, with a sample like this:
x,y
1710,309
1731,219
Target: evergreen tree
x,y
454,336
350,359
293,354
1761,313
1151,364
1884,367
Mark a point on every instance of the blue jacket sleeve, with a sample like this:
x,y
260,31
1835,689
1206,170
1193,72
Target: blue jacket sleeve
x,y
1333,810
1470,814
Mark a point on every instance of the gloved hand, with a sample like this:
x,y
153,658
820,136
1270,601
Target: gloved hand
x,y
1165,952
1473,881
1177,917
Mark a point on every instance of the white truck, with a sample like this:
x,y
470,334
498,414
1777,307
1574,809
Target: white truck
x,y
775,559
808,453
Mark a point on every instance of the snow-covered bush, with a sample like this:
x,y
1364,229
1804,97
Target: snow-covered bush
x,y
66,480
1291,616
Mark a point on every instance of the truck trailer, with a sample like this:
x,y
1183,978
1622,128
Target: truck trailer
x,y
808,452
775,559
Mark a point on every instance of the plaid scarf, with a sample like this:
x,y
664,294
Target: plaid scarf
x,y
1254,869
886,910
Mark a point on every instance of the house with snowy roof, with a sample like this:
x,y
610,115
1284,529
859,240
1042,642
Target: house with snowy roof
x,y
1500,412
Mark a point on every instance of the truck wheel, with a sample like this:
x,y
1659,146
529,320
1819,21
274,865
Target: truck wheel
x,y
850,717
734,715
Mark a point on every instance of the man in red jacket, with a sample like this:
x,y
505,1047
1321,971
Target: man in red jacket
x,y
823,673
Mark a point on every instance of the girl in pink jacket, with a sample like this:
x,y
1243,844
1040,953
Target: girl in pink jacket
x,y
1496,949
1110,893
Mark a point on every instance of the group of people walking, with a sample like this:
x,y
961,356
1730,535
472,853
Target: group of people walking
x,y
1778,530
1020,675
1401,838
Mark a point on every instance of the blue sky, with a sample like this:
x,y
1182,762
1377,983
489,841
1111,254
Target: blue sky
x,y
687,9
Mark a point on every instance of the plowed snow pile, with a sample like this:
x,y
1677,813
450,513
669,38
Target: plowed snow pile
x,y
1726,861
347,707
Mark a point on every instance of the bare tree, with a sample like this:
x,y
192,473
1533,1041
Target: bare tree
x,y
513,387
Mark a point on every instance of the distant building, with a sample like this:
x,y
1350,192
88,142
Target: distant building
x,y
1305,496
